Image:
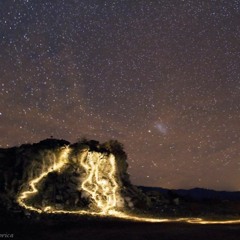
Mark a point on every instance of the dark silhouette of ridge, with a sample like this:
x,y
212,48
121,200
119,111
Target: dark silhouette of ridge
x,y
197,193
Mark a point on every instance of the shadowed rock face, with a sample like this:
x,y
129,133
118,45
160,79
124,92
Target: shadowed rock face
x,y
19,165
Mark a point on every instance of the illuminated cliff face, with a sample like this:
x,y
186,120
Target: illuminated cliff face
x,y
57,165
100,184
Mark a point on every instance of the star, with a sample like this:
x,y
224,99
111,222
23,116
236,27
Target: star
x,y
161,78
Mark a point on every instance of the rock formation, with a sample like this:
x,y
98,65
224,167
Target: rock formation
x,y
20,165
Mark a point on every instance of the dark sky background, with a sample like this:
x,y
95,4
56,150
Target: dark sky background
x,y
162,77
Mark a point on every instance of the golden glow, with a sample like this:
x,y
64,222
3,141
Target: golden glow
x,y
62,160
100,185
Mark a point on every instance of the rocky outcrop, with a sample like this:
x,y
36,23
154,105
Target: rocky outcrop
x,y
19,165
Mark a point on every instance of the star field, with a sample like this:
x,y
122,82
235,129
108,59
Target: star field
x,y
162,77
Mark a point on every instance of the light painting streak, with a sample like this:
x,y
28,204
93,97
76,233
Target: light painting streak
x,y
101,186
62,160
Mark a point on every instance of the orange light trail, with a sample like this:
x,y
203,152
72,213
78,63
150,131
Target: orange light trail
x,y
101,186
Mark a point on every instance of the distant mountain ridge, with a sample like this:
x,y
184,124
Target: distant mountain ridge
x,y
197,193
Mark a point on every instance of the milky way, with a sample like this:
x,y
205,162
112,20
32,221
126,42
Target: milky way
x,y
162,77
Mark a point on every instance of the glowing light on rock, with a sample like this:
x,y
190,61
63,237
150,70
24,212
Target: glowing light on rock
x,y
32,184
101,185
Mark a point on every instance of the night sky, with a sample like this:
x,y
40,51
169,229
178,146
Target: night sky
x,y
162,77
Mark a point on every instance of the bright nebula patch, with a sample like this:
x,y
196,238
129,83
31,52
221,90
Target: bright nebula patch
x,y
162,128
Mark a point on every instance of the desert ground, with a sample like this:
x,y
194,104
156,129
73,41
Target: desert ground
x,y
68,227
